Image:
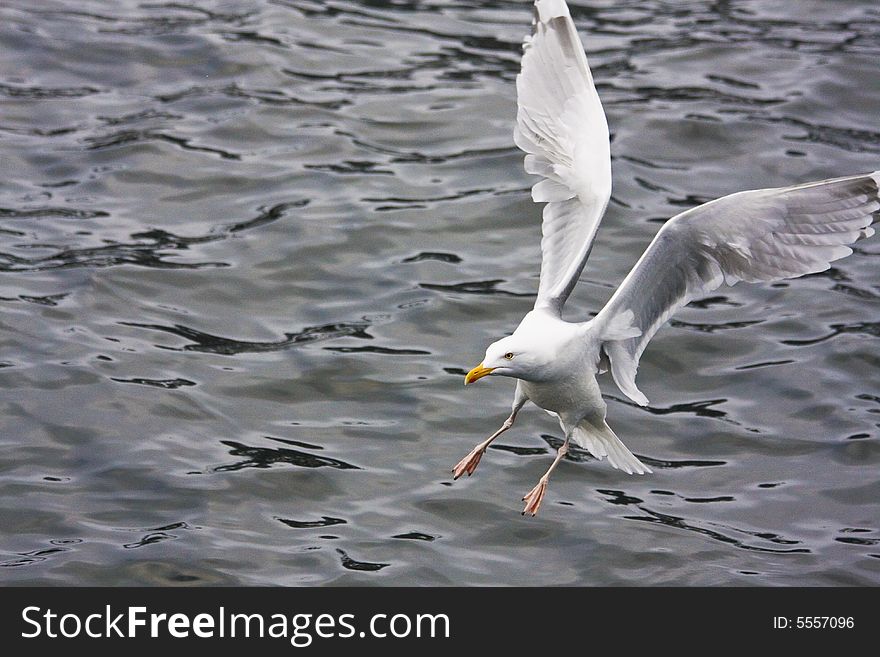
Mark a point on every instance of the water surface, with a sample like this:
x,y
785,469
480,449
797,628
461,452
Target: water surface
x,y
249,249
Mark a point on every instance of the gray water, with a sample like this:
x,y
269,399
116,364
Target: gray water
x,y
249,249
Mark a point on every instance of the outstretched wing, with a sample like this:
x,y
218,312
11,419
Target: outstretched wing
x,y
562,128
760,235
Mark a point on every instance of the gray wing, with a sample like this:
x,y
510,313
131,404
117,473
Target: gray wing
x,y
760,235
562,128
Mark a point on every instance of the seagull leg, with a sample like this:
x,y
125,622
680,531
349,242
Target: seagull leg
x,y
470,462
534,497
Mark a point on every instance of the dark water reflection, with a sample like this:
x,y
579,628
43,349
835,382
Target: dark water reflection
x,y
248,251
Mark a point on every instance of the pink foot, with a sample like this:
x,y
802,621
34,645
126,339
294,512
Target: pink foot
x,y
534,497
469,463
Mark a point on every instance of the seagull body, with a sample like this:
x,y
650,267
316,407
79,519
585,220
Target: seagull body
x,y
753,236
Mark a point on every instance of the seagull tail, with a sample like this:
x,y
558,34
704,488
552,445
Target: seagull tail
x,y
602,442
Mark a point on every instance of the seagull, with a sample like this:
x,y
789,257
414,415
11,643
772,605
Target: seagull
x,y
753,236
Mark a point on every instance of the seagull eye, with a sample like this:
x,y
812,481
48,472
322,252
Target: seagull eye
x,y
509,355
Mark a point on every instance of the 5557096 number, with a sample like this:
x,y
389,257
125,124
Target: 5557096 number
x,y
813,622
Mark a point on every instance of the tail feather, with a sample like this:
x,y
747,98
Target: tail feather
x,y
601,442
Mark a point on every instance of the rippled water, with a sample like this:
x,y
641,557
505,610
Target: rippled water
x,y
248,249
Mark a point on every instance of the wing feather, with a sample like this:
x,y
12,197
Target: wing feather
x,y
562,128
760,235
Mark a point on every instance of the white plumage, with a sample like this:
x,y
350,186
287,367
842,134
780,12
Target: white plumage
x,y
561,126
753,236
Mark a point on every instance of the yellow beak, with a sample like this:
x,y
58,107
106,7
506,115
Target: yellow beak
x,y
477,373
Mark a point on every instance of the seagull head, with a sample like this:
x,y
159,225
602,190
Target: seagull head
x,y
500,360
528,354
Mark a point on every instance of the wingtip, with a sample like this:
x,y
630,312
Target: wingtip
x,y
547,10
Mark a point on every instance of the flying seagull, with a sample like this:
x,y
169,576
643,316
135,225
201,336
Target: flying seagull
x,y
753,236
